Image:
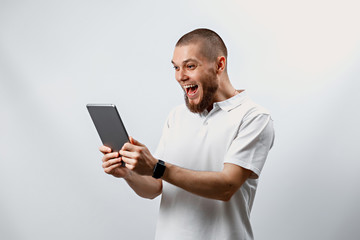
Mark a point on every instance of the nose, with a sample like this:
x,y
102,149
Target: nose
x,y
181,75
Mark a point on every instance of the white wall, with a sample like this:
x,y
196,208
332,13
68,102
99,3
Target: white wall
x,y
299,59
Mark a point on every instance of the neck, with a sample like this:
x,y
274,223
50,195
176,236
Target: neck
x,y
226,89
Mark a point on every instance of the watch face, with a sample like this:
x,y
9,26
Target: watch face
x,y
159,169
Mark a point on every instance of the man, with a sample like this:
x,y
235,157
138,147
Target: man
x,y
210,154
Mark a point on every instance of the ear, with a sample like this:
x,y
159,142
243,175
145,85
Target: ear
x,y
221,64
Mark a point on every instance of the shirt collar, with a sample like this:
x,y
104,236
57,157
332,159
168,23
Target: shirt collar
x,y
231,103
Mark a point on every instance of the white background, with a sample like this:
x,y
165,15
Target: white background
x,y
299,59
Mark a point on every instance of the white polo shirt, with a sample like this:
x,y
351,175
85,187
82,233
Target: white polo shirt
x,y
236,131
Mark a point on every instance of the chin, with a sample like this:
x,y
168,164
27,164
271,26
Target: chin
x,y
195,102
196,106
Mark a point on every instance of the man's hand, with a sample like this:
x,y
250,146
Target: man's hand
x,y
112,163
138,158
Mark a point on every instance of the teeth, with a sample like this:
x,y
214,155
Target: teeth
x,y
189,86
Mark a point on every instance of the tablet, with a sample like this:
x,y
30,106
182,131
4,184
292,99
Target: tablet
x,y
108,124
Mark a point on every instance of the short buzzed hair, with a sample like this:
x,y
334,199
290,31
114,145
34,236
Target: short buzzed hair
x,y
212,46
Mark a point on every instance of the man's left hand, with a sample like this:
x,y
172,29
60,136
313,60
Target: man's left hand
x,y
138,158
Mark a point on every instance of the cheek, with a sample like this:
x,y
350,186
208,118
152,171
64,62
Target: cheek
x,y
177,77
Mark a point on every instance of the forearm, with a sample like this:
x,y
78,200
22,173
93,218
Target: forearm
x,y
215,185
144,186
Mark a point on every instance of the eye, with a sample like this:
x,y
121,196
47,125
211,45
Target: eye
x,y
176,67
191,66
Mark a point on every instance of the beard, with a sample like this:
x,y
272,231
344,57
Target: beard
x,y
209,87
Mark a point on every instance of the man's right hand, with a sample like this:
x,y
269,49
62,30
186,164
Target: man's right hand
x,y
112,163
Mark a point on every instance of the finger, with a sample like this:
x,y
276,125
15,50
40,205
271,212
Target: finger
x,y
130,147
136,142
129,166
109,156
111,162
111,168
104,149
129,161
129,154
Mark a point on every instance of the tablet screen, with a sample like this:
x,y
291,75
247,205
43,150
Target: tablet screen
x,y
108,124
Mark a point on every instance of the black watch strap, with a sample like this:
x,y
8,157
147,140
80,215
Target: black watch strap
x,y
159,169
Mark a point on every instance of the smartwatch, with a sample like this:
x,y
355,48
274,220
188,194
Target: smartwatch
x,y
159,169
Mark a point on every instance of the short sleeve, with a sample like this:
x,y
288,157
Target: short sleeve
x,y
252,143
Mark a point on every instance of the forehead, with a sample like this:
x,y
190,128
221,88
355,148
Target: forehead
x,y
186,52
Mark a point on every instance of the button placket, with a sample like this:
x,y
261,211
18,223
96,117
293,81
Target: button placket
x,y
213,111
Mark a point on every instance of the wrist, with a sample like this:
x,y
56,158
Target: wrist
x,y
128,175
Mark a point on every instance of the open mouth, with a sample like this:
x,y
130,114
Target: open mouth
x,y
191,89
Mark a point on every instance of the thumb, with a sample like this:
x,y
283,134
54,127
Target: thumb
x,y
135,142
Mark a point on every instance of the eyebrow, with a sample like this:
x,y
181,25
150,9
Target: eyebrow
x,y
186,61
